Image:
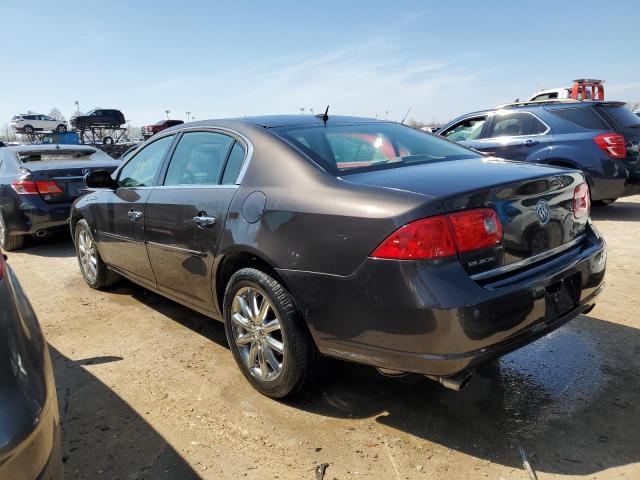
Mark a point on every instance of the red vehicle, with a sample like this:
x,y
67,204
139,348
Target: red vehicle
x,y
150,130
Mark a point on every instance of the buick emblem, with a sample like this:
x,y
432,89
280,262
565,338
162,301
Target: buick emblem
x,y
543,212
85,171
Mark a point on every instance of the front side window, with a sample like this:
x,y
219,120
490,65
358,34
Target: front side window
x,y
516,124
469,129
143,167
357,147
198,159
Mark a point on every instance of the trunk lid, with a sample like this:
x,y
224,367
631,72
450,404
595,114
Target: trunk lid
x,y
68,176
534,203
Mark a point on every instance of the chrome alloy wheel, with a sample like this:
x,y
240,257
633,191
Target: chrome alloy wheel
x,y
257,334
87,255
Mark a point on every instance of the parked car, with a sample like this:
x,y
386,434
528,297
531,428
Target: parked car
x,y
66,138
599,138
100,117
30,446
38,184
344,237
150,130
31,122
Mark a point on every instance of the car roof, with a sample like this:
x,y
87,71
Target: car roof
x,y
272,121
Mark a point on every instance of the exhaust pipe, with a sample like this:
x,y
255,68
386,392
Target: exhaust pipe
x,y
454,382
41,233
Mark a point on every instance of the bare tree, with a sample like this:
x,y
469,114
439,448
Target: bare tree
x,y
55,113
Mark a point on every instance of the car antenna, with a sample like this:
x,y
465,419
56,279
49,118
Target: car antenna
x,y
405,116
324,116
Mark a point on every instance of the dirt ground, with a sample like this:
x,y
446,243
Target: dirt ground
x,y
148,389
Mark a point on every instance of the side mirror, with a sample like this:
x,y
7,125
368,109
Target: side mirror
x,y
100,179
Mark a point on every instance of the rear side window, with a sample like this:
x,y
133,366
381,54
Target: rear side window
x,y
620,115
234,164
583,117
198,159
516,124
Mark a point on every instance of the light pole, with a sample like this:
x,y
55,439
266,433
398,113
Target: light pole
x,y
386,114
188,113
77,106
311,110
167,112
301,110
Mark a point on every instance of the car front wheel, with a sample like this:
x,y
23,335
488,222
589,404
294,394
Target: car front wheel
x,y
27,129
94,271
267,335
61,128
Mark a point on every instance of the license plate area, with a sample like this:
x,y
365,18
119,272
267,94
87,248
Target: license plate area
x,y
562,297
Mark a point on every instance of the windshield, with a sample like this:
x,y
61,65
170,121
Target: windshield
x,y
57,155
350,148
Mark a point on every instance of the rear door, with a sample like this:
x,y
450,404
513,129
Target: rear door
x,y
119,219
185,216
517,136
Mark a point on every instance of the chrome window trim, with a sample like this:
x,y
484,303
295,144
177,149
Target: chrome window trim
x,y
528,261
520,136
212,128
199,186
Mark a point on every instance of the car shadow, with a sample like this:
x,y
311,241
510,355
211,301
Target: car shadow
x,y
58,244
569,399
103,436
619,211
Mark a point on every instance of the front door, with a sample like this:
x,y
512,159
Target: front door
x,y
517,136
120,220
185,215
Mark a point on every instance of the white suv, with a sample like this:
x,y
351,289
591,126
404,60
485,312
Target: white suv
x,y
30,122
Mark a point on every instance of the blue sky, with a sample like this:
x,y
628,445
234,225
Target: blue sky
x,y
219,59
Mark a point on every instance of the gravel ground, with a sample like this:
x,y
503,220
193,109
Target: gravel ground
x,y
148,389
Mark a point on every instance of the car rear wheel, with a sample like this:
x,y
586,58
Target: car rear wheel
x,y
267,335
61,128
107,140
7,241
94,271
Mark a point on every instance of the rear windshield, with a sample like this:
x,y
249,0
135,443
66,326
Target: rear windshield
x,y
351,148
60,155
584,117
621,115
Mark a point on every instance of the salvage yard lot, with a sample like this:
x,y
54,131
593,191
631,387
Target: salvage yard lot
x,y
149,389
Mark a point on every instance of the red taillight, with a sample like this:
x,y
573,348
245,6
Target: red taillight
x,y
29,187
613,144
476,229
443,236
581,201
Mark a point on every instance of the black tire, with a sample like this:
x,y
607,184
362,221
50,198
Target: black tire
x,y
9,242
61,128
604,202
27,129
107,140
301,360
104,277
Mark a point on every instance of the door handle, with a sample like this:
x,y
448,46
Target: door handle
x,y
529,143
134,215
204,221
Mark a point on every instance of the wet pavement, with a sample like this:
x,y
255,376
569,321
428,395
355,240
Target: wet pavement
x,y
148,389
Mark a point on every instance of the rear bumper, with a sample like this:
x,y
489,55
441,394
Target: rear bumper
x,y
32,214
432,318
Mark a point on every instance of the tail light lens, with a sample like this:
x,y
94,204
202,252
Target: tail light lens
x,y
612,143
581,201
29,187
443,236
